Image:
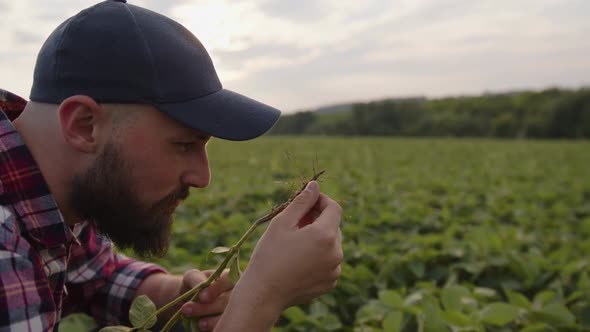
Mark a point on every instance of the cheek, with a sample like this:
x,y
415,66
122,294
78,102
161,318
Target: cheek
x,y
149,168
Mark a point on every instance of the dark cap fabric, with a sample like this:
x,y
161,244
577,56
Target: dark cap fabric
x,y
116,52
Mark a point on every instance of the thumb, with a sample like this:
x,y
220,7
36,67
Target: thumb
x,y
192,277
300,205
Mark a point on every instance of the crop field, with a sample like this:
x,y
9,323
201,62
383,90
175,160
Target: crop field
x,y
439,234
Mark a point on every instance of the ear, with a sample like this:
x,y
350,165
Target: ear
x,y
80,118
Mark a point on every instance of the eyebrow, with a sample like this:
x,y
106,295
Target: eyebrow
x,y
204,137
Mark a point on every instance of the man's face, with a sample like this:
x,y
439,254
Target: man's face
x,y
144,171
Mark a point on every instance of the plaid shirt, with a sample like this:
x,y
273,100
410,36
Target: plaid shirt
x,y
47,269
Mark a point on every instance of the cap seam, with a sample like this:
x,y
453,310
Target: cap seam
x,y
148,49
69,26
185,100
58,53
156,101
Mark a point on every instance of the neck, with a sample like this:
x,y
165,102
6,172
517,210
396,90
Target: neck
x,y
39,132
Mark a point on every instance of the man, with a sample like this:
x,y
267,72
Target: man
x,y
123,103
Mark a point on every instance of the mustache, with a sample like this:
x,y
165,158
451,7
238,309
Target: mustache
x,y
180,194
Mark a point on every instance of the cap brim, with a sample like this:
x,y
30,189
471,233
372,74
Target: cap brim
x,y
224,114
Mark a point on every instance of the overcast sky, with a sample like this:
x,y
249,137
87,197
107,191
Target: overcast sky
x,y
303,54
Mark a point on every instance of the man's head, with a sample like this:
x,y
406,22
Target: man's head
x,y
137,99
116,52
135,166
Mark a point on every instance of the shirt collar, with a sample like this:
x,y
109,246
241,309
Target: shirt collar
x,y
23,187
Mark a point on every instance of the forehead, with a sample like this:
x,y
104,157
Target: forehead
x,y
147,117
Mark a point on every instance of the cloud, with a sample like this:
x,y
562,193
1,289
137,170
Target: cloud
x,y
467,49
302,54
159,6
302,10
22,36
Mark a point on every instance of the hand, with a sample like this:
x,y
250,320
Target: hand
x,y
298,257
211,301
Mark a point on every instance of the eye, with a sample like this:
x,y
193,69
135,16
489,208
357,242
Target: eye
x,y
186,146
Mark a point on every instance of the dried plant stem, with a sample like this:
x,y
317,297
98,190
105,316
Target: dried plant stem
x,y
194,292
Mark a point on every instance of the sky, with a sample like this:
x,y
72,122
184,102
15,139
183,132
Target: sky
x,y
299,55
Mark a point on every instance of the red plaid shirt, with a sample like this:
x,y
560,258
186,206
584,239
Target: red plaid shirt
x,y
48,270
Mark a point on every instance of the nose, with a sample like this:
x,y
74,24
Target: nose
x,y
198,174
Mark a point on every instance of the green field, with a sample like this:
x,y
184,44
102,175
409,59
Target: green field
x,y
439,234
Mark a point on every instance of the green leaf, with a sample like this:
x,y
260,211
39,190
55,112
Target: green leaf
x,y
417,269
575,296
433,321
484,292
451,297
186,324
141,308
234,269
518,299
115,329
393,321
584,281
499,313
372,312
543,298
541,327
295,315
77,322
391,298
220,250
318,309
329,322
555,314
456,318
413,298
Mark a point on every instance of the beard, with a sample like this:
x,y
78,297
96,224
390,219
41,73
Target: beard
x,y
104,195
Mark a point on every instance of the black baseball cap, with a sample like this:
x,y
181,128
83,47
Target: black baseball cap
x,y
116,52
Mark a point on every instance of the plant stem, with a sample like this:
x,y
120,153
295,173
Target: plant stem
x,y
194,292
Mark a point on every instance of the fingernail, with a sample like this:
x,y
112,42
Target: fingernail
x,y
187,311
312,186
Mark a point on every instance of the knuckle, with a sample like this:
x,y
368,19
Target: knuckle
x,y
300,199
192,273
192,277
339,256
324,238
337,208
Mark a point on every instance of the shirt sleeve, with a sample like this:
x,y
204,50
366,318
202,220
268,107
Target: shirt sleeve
x,y
101,282
24,290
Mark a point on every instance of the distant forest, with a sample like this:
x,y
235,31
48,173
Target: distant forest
x,y
551,113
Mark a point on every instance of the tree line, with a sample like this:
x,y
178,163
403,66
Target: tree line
x,y
551,113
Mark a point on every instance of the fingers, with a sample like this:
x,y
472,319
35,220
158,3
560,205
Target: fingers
x,y
212,301
308,218
208,323
300,205
220,286
192,277
198,309
330,215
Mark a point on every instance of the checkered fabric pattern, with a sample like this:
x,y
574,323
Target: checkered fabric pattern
x,y
47,269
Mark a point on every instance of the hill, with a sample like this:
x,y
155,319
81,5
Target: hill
x,y
549,113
